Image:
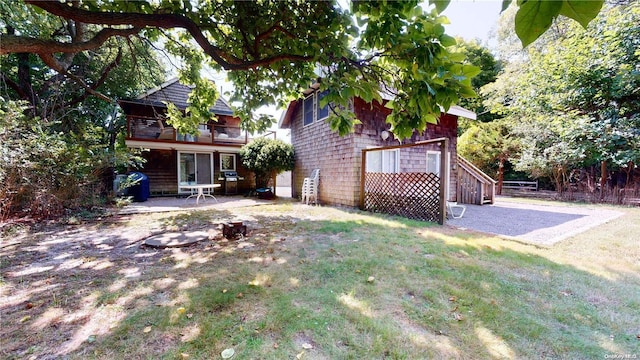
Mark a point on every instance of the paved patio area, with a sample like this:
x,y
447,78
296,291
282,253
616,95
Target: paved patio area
x,y
163,204
542,225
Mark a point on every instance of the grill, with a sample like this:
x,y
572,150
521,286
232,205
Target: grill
x,y
230,182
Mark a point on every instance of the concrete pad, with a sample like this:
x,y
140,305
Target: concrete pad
x,y
166,204
176,239
542,225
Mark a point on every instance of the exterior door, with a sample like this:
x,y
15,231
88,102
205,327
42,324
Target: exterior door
x,y
204,170
195,168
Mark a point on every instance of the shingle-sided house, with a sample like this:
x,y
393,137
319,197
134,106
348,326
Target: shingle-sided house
x,y
339,158
175,159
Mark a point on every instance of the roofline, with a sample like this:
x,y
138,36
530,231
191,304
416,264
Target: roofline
x,y
157,88
158,145
460,111
285,117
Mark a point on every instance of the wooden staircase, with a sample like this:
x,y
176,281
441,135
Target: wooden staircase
x,y
474,186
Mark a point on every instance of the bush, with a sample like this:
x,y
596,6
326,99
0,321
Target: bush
x,y
267,158
42,173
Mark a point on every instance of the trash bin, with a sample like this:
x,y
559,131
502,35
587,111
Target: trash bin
x,y
140,190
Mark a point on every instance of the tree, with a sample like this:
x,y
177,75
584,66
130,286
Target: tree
x,y
266,158
273,49
577,100
64,120
535,17
489,69
491,147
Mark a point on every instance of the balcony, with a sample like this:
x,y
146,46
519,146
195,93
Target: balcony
x,y
150,129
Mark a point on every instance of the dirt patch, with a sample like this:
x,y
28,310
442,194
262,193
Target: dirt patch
x,y
63,286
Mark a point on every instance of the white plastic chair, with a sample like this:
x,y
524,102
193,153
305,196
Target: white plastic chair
x,y
450,209
310,187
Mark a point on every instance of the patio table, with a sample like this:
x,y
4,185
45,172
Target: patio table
x,y
197,191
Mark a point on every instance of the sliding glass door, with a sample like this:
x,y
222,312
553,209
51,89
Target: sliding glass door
x,y
195,168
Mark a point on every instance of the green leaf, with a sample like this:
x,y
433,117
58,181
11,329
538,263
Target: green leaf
x,y
471,70
441,5
581,11
447,40
534,17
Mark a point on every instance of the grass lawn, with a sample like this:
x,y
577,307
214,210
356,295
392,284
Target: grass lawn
x,y
316,283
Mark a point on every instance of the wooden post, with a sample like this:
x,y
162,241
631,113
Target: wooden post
x,y
444,179
363,163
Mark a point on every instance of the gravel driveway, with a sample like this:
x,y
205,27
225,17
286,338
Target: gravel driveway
x,y
537,224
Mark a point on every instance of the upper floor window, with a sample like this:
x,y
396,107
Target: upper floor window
x,y
312,111
308,109
321,112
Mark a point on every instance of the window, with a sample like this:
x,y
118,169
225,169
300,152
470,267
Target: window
x,y
433,162
383,161
312,110
321,112
227,162
195,168
308,109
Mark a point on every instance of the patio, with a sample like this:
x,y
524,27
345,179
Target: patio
x,y
164,204
542,225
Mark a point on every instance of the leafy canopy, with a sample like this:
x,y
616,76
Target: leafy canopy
x,y
576,103
273,50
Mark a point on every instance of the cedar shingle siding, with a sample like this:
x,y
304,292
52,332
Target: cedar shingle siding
x,y
339,158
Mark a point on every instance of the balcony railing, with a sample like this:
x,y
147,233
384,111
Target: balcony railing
x,y
151,129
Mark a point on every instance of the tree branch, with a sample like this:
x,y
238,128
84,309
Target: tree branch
x,y
25,44
14,85
137,21
103,77
51,62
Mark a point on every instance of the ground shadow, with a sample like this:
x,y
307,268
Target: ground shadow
x,y
80,291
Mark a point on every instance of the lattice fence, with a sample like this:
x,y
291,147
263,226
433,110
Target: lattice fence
x,y
395,180
410,195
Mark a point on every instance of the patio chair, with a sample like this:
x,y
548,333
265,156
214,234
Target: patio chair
x,y
453,205
310,187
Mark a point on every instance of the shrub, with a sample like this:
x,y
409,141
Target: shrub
x,y
42,172
267,158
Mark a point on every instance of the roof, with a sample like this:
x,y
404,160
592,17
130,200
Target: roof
x,y
174,92
285,118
